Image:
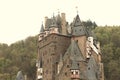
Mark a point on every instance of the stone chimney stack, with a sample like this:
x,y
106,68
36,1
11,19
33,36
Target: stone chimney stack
x,y
64,28
45,22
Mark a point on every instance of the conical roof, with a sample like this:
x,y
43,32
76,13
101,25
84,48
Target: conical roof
x,y
73,52
42,29
77,28
77,21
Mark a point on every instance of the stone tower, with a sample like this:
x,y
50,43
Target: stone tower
x,y
68,54
79,34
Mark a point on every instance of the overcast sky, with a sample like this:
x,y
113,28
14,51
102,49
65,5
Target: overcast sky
x,y
22,18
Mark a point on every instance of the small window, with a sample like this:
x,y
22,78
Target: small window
x,y
77,41
40,73
72,72
65,73
76,72
68,66
88,68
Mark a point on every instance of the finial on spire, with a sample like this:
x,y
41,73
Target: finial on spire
x,y
58,11
77,9
53,14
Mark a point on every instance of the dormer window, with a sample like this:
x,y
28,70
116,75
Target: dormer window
x,y
75,74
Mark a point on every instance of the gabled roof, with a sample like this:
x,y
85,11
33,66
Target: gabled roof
x,y
42,29
92,69
73,52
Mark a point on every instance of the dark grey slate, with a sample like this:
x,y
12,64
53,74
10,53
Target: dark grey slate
x,y
77,28
42,29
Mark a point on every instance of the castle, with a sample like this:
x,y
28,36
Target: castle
x,y
68,51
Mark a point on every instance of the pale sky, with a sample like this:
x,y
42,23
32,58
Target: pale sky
x,y
22,18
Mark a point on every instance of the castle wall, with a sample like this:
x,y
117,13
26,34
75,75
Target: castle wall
x,y
55,44
50,49
65,71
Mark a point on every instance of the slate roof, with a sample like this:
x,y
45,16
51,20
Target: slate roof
x,y
77,28
73,52
77,21
74,65
42,29
92,69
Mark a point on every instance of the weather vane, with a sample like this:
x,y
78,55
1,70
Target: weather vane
x,y
58,11
77,9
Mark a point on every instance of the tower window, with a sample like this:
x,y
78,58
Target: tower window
x,y
40,73
65,73
76,72
88,68
77,41
67,66
72,72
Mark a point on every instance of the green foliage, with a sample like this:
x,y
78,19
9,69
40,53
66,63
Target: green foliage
x,y
89,24
109,38
18,56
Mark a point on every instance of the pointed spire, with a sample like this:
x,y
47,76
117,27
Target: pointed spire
x,y
75,52
77,21
58,19
58,12
77,28
77,9
42,28
53,21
